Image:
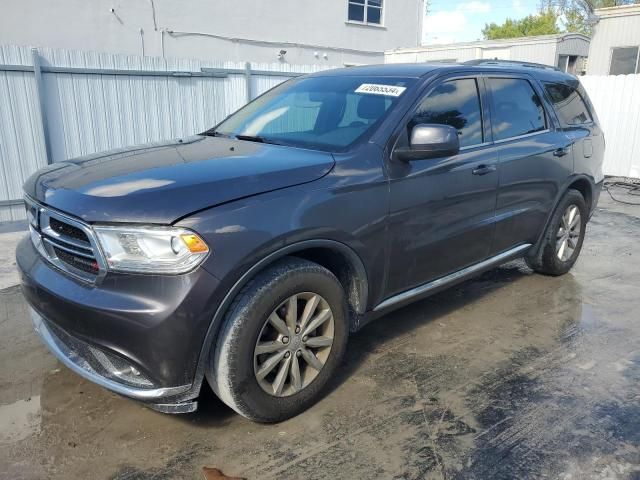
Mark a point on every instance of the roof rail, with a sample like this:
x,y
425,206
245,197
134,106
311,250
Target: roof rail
x,y
488,61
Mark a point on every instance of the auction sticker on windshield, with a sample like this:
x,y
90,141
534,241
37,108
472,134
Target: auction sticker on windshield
x,y
376,89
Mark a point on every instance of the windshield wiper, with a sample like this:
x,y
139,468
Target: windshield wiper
x,y
213,133
256,138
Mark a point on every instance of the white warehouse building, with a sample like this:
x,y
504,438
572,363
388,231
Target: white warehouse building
x,y
567,51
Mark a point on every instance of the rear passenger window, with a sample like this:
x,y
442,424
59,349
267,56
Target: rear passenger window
x,y
568,103
454,103
517,109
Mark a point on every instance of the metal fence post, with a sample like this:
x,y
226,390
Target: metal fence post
x,y
247,76
37,70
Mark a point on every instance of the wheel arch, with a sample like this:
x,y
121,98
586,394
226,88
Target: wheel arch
x,y
336,256
585,187
583,184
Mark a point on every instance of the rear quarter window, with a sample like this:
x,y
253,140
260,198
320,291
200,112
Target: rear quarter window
x,y
568,103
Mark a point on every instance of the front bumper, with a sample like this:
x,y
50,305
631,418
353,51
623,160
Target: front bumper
x,y
74,359
151,325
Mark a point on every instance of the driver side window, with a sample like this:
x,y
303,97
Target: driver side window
x,y
455,103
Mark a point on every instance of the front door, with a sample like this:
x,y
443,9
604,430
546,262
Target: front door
x,y
442,210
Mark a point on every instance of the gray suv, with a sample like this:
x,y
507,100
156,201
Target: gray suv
x,y
243,257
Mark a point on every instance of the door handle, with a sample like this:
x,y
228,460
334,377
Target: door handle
x,y
483,169
561,152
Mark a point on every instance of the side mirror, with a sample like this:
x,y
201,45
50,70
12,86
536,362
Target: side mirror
x,y
430,141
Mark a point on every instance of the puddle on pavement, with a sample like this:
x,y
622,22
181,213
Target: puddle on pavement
x,y
19,420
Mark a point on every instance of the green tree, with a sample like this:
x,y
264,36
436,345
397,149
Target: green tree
x,y
543,23
554,16
578,15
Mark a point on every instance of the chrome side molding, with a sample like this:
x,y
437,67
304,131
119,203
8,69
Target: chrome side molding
x,y
452,277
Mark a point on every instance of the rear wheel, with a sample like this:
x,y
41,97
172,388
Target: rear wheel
x,y
282,340
563,238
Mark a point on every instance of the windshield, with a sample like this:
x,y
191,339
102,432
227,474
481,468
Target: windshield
x,y
326,113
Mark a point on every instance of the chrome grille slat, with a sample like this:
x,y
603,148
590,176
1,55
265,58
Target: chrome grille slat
x,y
61,240
69,250
67,241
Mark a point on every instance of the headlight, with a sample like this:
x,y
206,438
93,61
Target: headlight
x,y
151,249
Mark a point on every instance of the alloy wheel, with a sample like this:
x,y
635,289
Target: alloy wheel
x,y
569,232
294,344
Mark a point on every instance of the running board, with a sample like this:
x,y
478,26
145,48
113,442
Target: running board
x,y
453,277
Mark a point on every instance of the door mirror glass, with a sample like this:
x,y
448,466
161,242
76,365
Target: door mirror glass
x,y
430,141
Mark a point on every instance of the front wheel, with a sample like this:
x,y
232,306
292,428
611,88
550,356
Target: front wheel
x,y
283,338
563,238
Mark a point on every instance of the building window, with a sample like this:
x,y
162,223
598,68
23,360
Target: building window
x,y
365,11
624,61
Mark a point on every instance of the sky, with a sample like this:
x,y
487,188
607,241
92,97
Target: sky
x,y
449,21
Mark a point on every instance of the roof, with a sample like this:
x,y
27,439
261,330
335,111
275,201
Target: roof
x,y
555,38
417,70
414,70
619,11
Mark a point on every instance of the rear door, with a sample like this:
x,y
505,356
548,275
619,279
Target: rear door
x,y
442,209
578,122
532,156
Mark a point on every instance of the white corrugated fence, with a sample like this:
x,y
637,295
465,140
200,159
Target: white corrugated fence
x,y
616,99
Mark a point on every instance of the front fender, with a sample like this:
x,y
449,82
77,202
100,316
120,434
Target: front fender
x,y
247,235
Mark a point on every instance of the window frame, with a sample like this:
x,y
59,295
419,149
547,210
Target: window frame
x,y
365,5
536,89
399,134
637,66
479,93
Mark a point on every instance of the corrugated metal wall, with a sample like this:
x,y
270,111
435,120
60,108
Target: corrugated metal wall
x,y
543,49
623,31
21,140
88,113
461,54
536,52
574,46
617,103
261,83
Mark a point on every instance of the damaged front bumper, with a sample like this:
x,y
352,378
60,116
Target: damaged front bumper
x,y
105,371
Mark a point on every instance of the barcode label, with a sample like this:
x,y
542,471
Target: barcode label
x,y
376,89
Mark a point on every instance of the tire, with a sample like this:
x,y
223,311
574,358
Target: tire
x,y
550,259
235,364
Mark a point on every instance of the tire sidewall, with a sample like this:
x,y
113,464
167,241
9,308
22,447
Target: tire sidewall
x,y
550,256
244,323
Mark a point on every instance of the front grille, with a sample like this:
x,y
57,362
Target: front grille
x,y
81,263
67,243
68,230
32,214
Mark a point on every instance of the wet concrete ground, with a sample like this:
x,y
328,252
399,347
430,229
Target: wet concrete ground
x,y
510,375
